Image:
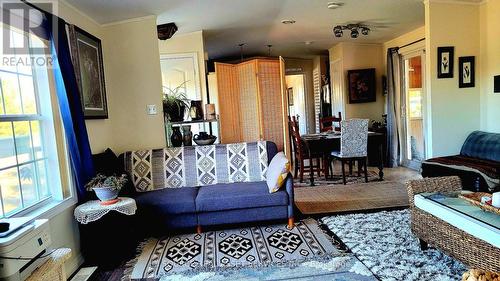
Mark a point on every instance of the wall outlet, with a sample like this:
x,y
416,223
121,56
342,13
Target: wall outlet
x,y
151,108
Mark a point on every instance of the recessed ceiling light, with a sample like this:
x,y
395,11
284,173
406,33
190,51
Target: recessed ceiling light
x,y
334,5
287,21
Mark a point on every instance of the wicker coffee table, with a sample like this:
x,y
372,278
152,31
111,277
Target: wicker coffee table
x,y
459,229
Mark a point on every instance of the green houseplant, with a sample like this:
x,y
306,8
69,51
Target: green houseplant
x,y
175,102
106,188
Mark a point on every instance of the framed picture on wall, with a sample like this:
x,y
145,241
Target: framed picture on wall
x,y
445,62
361,85
290,96
87,59
467,72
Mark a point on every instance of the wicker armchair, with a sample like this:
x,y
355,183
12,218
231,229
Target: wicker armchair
x,y
470,250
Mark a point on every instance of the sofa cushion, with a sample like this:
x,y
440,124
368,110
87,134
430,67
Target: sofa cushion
x,y
482,145
238,196
169,200
190,166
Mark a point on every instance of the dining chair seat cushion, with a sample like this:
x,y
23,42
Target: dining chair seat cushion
x,y
277,171
338,154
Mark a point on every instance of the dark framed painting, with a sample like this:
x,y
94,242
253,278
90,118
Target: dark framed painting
x,y
361,84
445,62
290,96
87,59
467,72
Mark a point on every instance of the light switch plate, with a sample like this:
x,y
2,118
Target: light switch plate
x,y
151,108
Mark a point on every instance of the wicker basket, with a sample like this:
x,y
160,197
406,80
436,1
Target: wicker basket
x,y
475,199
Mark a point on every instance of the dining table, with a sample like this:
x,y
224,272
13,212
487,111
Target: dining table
x,y
326,142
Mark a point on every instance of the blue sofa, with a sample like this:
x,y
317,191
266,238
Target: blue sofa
x,y
477,165
198,186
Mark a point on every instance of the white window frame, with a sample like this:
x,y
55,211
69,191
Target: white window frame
x,y
55,154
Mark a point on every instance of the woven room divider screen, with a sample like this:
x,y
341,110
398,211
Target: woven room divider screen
x,y
250,101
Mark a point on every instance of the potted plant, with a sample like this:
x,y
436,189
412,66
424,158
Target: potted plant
x,y
107,188
175,102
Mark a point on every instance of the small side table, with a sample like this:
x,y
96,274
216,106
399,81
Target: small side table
x,y
107,232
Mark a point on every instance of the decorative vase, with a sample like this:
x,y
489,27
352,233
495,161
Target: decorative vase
x,y
176,137
106,193
196,110
210,111
173,111
187,135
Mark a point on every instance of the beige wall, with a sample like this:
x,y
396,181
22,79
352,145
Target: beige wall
x,y
361,56
454,112
306,66
133,81
489,65
188,43
402,40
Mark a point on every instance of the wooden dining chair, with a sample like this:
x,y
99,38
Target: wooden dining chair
x,y
328,123
301,153
353,145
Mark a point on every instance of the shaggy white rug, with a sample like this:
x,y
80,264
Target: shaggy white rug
x,y
384,243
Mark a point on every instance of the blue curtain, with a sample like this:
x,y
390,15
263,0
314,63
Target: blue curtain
x,y
70,105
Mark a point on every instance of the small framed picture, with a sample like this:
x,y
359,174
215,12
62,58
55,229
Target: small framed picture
x,y
290,96
445,62
467,73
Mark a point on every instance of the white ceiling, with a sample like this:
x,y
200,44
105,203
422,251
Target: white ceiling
x,y
226,23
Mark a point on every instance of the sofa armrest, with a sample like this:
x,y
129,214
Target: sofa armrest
x,y
289,190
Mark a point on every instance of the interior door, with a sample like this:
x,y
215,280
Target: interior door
x,y
412,110
337,77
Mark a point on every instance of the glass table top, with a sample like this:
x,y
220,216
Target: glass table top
x,y
452,201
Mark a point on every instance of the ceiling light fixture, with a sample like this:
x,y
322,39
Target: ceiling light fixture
x,y
355,29
334,5
290,21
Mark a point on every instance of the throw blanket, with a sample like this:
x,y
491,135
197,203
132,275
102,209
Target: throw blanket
x,y
191,166
490,170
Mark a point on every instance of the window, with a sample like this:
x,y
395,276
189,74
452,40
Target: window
x,y
29,155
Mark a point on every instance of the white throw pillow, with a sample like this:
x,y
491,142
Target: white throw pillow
x,y
277,171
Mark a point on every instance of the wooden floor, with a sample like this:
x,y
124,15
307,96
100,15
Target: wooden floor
x,y
390,193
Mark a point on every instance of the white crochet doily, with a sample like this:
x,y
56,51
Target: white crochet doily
x,y
93,210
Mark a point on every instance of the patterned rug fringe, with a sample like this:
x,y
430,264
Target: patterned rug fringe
x,y
288,264
129,266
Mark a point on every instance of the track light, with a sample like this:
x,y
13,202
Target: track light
x,y
354,28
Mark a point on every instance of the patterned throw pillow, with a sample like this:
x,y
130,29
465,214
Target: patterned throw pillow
x,y
277,171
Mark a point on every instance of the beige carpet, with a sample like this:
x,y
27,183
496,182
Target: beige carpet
x,y
324,199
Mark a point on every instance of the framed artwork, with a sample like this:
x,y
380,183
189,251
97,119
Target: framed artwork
x,y
290,96
445,62
361,85
467,72
496,84
87,59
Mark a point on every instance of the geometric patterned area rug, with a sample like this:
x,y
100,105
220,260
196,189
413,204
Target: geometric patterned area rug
x,y
237,250
336,179
383,241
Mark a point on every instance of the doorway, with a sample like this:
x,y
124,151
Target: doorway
x,y
413,110
296,91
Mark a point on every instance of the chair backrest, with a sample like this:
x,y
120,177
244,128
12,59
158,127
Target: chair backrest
x,y
295,135
354,138
328,123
